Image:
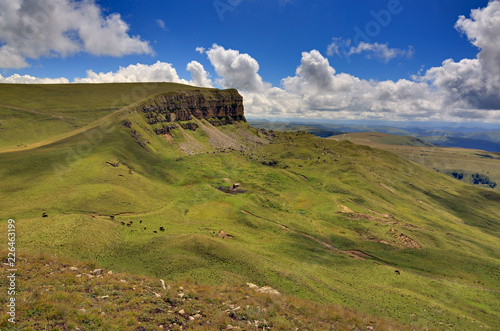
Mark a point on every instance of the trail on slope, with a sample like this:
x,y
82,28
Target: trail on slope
x,y
356,254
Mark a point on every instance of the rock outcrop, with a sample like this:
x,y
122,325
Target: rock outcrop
x,y
219,107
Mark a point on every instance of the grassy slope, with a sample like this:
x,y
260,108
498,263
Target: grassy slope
x,y
364,138
297,228
28,115
446,160
63,294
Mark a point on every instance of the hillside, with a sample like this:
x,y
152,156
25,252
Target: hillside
x,y
475,136
378,138
213,200
66,294
29,115
462,142
471,166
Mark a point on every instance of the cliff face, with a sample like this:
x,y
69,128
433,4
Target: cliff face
x,y
219,107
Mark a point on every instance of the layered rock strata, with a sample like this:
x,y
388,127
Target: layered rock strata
x,y
219,107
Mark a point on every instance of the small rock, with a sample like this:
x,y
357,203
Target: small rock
x,y
103,297
181,295
191,318
197,316
157,295
73,268
78,276
110,272
83,310
97,272
123,281
181,312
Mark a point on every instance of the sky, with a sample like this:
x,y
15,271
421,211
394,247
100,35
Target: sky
x,y
387,60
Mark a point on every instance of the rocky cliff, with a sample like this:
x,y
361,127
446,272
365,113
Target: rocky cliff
x,y
219,107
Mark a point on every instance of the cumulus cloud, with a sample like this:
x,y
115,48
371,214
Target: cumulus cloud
x,y
314,73
199,76
27,79
482,29
158,72
327,94
371,50
454,91
473,83
236,70
30,29
10,58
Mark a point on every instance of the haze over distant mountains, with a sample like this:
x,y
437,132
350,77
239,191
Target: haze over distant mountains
x,y
465,135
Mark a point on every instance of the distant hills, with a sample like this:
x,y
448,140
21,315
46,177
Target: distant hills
x,y
170,182
444,136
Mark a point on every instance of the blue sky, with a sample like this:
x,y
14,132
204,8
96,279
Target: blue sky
x,y
344,59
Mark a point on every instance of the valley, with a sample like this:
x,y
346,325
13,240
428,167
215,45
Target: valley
x,y
141,179
472,166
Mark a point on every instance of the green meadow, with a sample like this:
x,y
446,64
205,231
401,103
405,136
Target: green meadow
x,y
471,166
316,219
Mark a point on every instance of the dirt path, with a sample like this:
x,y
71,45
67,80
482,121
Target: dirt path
x,y
355,254
373,211
360,255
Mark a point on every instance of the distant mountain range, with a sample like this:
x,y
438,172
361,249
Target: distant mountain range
x,y
444,136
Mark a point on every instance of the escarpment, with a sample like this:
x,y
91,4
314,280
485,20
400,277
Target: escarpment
x,y
219,107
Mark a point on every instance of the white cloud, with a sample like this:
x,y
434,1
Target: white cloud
x,y
10,58
236,70
33,29
454,91
338,47
380,51
158,72
161,24
483,29
331,95
199,75
200,50
473,83
27,79
313,74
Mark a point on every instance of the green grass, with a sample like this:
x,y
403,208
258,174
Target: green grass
x,y
62,294
460,163
29,115
293,229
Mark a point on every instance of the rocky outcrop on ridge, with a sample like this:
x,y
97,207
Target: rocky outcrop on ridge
x,y
219,107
